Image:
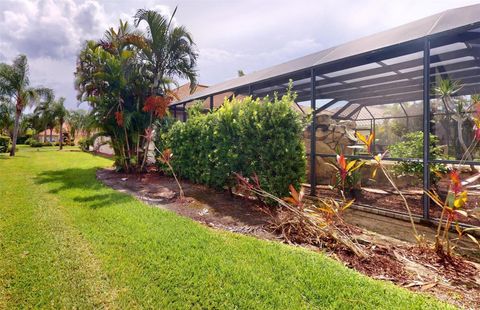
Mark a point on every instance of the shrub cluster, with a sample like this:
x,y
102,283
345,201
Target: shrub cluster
x,y
4,143
411,146
262,137
30,141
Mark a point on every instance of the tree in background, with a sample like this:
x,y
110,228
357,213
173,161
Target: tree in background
x,y
15,84
60,114
78,122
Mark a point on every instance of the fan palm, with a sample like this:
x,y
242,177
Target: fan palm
x,y
15,83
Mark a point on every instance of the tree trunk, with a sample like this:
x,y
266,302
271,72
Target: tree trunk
x,y
460,138
51,135
60,139
15,131
45,135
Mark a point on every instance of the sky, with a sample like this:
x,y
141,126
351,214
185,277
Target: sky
x,y
229,34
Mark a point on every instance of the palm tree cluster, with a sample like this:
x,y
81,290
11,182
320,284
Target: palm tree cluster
x,y
51,113
16,92
127,76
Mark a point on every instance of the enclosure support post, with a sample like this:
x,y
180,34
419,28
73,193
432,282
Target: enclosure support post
x,y
174,111
313,142
426,127
184,112
211,103
374,145
250,90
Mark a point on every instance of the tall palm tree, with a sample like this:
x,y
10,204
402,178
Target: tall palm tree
x,y
44,113
15,83
60,113
126,78
171,52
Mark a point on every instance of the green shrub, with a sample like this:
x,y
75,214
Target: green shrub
x,y
47,144
36,144
411,146
261,136
4,143
84,144
30,140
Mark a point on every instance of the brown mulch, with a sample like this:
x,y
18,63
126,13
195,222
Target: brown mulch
x,y
456,281
393,201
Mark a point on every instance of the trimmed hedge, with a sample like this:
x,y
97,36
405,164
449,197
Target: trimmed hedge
x,y
4,144
261,136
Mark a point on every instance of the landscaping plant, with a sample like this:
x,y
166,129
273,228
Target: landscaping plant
x,y
347,177
4,143
299,221
126,78
367,141
412,147
245,136
452,207
15,85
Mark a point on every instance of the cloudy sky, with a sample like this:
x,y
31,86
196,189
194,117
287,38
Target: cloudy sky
x,y
230,34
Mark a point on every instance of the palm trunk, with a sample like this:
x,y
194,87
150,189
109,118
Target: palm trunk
x,y
460,138
45,135
15,132
60,139
51,135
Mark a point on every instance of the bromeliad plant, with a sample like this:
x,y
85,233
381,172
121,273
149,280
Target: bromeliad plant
x,y
452,207
347,176
299,221
367,141
454,204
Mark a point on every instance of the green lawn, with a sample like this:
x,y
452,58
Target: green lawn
x,y
66,241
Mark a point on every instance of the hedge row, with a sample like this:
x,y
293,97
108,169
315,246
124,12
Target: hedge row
x,y
262,137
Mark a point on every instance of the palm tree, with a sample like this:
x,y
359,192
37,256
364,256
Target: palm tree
x,y
171,52
44,113
447,90
15,83
77,121
60,113
126,78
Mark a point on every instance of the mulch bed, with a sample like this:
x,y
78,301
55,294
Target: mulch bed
x,y
456,281
392,201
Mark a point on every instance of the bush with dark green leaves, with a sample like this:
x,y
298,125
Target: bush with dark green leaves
x,y
262,137
4,143
30,140
36,143
411,146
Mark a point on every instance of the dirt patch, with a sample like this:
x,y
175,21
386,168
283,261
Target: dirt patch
x,y
390,259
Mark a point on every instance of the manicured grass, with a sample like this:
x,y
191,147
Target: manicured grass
x,y
66,241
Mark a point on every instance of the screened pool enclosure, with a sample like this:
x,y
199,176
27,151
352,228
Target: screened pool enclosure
x,y
389,83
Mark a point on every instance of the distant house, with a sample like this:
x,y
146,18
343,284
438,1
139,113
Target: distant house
x,y
54,134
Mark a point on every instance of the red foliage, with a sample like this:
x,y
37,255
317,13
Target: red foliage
x,y
119,118
157,104
455,181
